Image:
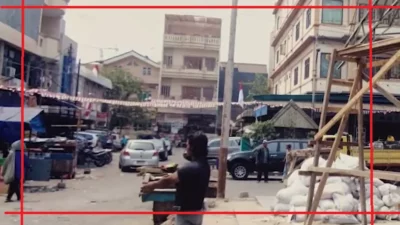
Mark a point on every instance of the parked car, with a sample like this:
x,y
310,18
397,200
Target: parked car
x,y
105,138
215,144
163,153
116,140
92,138
139,153
242,164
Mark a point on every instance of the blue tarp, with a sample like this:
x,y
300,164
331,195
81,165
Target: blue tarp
x,y
10,122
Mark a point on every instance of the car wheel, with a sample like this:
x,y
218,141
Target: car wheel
x,y
239,171
124,169
170,152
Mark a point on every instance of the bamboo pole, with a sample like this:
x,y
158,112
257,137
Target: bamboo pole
x,y
357,96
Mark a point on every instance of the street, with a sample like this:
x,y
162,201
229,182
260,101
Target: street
x,y
107,189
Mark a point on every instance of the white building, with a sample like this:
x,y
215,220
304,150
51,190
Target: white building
x,y
45,47
190,70
303,39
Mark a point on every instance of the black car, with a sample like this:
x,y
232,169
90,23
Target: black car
x,y
242,164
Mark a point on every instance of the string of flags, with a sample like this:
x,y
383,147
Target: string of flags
x,y
182,104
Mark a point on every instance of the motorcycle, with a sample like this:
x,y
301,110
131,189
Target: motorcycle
x,y
107,154
89,155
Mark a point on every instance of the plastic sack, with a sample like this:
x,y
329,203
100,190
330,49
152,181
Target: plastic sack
x,y
302,218
387,189
384,217
391,200
281,207
327,205
343,219
285,195
293,177
345,203
299,200
306,180
336,188
346,162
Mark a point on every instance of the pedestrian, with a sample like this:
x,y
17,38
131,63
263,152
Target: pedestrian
x,y
124,141
191,181
262,161
12,171
287,160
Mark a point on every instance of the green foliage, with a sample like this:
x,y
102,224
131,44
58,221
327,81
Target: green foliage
x,y
258,87
262,130
125,87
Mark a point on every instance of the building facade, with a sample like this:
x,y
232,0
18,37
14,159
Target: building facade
x,y
141,67
244,73
45,47
303,40
191,48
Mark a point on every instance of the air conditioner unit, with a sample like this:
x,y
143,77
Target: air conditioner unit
x,y
10,71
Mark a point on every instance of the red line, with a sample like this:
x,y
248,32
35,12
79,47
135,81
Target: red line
x,y
182,213
184,7
22,143
23,6
371,114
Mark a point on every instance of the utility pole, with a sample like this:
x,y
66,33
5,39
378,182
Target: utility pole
x,y
79,119
226,115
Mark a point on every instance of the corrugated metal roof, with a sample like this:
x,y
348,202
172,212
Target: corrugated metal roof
x,y
13,114
98,79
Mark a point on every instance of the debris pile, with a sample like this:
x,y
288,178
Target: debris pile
x,y
341,194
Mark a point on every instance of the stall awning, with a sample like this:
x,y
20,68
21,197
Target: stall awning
x,y
10,122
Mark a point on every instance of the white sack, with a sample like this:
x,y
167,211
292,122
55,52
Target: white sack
x,y
342,219
306,180
336,188
285,195
281,207
345,203
395,216
387,189
299,200
391,200
327,205
384,217
302,218
293,177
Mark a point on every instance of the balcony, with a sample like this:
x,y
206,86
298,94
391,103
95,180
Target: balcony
x,y
55,12
49,47
184,73
187,41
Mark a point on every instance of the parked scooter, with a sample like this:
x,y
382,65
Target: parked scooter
x,y
88,156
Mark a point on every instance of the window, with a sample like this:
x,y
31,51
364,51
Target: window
x,y
277,22
191,93
165,91
167,60
210,64
208,93
296,76
277,57
214,144
272,147
297,31
332,16
233,143
144,71
307,68
283,48
148,71
324,65
308,18
276,89
193,62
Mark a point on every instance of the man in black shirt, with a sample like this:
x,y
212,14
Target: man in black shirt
x,y
191,181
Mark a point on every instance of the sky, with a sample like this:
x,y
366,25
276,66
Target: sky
x,y
142,30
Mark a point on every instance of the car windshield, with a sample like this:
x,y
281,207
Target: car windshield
x,y
145,137
144,146
87,136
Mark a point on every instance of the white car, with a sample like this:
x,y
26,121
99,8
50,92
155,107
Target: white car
x,y
92,138
139,153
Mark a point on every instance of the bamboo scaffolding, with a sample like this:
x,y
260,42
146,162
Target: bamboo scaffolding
x,y
353,54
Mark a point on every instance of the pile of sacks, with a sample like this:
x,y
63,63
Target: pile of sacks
x,y
341,194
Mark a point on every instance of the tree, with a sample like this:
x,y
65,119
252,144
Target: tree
x,y
262,130
258,87
125,88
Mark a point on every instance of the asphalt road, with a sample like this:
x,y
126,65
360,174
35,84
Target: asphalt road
x,y
106,189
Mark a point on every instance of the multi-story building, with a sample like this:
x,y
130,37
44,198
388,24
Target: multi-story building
x,y
189,71
45,47
93,85
303,40
141,67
